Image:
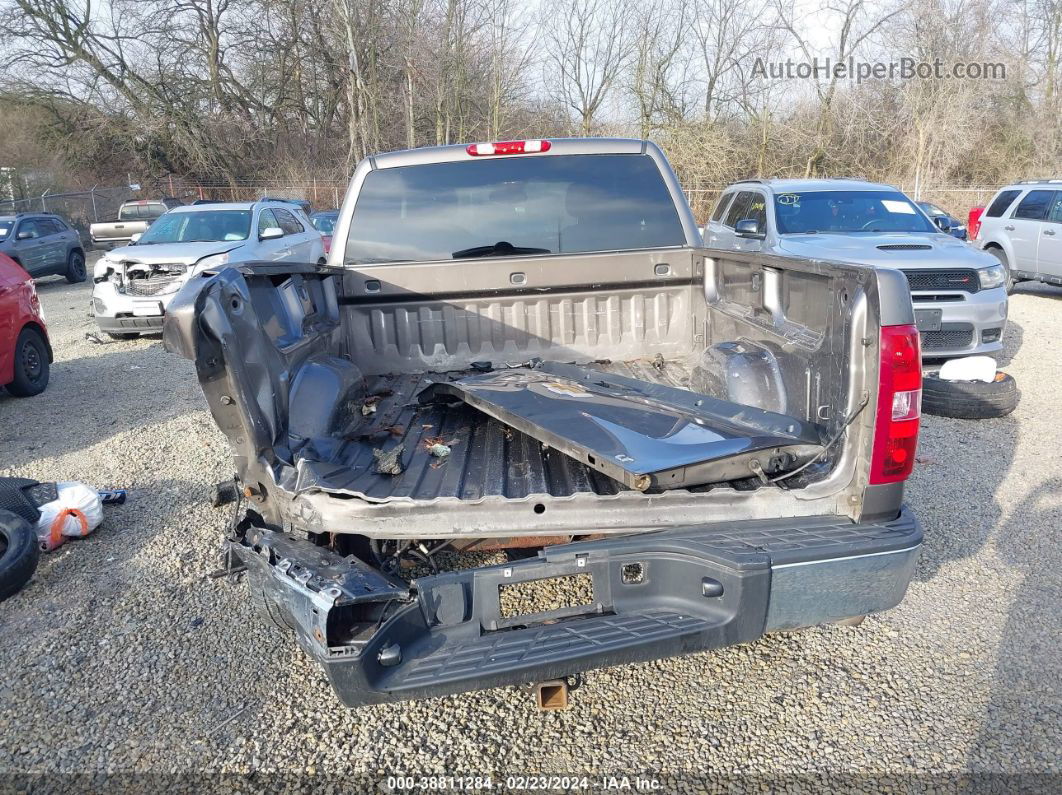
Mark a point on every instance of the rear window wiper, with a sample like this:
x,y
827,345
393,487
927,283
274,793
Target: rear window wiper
x,y
500,249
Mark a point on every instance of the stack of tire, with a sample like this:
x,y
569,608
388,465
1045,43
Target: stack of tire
x,y
969,400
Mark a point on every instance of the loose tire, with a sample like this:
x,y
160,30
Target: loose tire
x,y
969,400
31,364
19,553
75,268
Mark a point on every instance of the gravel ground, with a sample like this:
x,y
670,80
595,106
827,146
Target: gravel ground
x,y
122,655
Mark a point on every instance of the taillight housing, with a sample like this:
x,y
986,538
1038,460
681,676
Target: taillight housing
x,y
508,148
899,405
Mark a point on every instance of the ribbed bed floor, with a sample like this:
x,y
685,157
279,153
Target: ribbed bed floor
x,y
486,457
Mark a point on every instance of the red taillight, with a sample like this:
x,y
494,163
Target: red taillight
x,y
507,148
327,241
899,405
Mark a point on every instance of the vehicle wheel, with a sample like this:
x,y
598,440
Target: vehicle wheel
x,y
19,553
75,268
31,364
122,335
969,400
1001,255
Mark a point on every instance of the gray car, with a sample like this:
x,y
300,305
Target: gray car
x,y
44,245
958,292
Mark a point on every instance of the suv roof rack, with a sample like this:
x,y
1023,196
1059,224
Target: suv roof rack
x,y
1052,181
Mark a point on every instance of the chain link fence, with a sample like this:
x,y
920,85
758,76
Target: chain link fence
x,y
322,194
80,208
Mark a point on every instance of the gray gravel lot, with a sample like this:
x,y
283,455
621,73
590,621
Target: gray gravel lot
x,y
122,655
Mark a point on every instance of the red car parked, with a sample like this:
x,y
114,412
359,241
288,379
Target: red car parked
x,y
25,352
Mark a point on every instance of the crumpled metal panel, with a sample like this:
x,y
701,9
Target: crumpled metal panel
x,y
642,434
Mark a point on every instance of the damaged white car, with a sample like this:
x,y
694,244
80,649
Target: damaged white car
x,y
134,284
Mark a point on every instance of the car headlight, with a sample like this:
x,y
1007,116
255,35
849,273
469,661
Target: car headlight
x,y
992,276
106,269
213,261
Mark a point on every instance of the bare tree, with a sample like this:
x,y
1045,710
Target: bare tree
x,y
659,65
586,43
729,35
509,47
857,22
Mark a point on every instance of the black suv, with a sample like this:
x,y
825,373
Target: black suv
x,y
43,244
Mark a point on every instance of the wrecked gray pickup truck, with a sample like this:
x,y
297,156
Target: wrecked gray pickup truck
x,y
522,347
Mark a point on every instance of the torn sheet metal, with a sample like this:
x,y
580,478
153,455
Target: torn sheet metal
x,y
647,436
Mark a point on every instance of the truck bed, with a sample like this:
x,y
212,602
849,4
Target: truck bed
x,y
487,459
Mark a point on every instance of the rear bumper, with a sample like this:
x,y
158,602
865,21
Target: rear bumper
x,y
381,640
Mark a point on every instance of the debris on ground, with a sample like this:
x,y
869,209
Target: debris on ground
x,y
113,496
389,462
75,512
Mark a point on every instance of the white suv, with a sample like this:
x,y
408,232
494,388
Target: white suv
x,y
135,283
1022,228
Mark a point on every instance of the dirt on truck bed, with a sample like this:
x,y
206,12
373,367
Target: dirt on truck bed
x,y
485,457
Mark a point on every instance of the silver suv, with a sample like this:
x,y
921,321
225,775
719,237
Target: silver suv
x,y
958,292
1022,228
134,284
44,245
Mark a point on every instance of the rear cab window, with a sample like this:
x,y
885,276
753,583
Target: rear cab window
x,y
556,204
141,212
1034,206
1000,204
